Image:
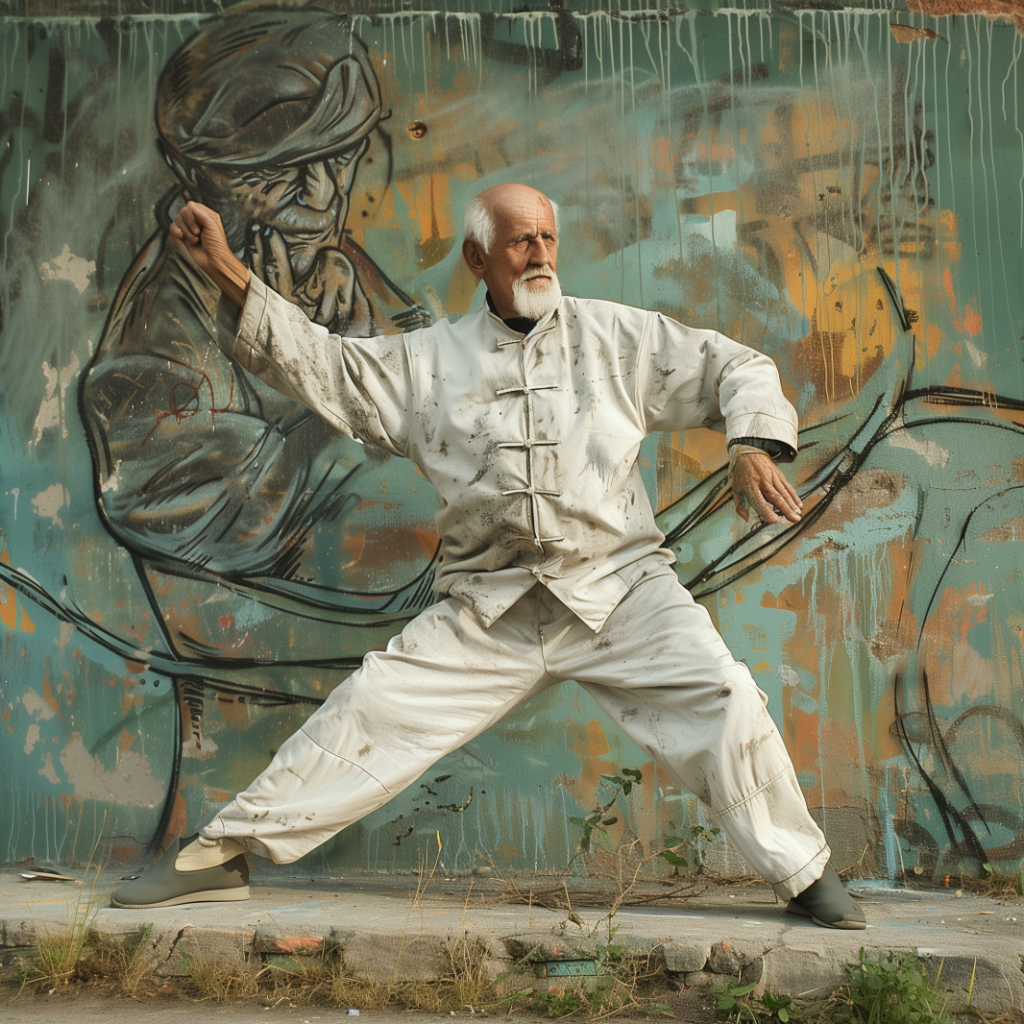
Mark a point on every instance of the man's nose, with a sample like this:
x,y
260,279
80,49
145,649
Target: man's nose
x,y
318,189
539,252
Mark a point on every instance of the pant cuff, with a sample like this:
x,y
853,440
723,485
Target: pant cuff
x,y
795,884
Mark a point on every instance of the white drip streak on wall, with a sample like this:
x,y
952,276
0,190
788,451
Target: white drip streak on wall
x,y
995,181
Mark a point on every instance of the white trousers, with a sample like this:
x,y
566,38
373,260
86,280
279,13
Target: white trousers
x,y
658,668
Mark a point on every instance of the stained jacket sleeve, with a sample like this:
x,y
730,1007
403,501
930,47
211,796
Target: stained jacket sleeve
x,y
688,377
362,387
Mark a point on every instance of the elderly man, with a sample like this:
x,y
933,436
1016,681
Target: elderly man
x,y
527,418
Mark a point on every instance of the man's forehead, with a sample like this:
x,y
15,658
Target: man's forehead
x,y
523,211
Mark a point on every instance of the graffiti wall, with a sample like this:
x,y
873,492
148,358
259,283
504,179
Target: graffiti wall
x,y
190,562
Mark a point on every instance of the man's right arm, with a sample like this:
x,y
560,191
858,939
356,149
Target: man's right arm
x,y
361,387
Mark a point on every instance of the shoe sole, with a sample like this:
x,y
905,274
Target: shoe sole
x,y
206,896
842,925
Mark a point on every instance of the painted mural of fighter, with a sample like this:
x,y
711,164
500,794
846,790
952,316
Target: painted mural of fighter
x,y
527,417
202,469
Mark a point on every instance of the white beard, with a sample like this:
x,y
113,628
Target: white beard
x,y
535,303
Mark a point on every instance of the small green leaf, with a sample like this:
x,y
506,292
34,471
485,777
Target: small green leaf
x,y
603,839
674,859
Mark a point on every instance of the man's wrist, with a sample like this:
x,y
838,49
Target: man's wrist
x,y
232,277
777,451
738,450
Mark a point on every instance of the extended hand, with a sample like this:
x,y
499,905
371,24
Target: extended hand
x,y
758,483
200,229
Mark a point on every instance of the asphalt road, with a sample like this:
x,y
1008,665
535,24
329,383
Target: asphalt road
x,y
90,1009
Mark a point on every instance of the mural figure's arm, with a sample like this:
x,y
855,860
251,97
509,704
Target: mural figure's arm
x,y
702,377
193,463
362,388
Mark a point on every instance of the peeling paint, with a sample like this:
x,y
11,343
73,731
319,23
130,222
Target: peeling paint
x,y
31,738
932,453
53,409
49,502
36,705
131,781
68,267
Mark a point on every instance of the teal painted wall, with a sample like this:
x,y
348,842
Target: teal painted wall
x,y
844,195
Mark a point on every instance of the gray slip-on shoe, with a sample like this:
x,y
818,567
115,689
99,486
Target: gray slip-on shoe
x,y
827,903
163,885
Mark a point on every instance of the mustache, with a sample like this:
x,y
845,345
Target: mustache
x,y
531,272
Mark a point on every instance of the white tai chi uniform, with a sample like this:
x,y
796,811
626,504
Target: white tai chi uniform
x,y
552,562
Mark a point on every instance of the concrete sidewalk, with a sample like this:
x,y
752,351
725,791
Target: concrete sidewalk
x,y
394,928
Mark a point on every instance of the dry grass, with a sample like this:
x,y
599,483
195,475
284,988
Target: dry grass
x,y
463,982
128,964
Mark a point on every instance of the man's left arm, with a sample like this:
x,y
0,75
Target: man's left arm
x,y
689,377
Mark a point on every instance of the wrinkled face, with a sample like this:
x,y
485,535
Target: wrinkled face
x,y
524,249
307,204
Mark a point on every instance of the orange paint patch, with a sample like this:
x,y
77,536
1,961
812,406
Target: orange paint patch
x,y
234,712
8,597
801,735
49,698
178,821
590,747
972,320
908,33
124,853
127,739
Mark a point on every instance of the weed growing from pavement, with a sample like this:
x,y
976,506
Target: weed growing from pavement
x,y
889,989
59,956
893,989
737,1002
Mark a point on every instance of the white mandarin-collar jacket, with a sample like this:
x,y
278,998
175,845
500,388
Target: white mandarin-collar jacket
x,y
531,442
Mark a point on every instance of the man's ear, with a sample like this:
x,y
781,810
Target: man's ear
x,y
474,257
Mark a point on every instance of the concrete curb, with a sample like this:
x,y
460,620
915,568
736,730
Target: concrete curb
x,y
385,935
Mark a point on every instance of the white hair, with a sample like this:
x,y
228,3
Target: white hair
x,y
478,222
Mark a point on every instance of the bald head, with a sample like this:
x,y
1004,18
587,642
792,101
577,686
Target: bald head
x,y
511,242
478,220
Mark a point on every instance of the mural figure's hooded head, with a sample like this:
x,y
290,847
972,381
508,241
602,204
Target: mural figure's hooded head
x,y
264,116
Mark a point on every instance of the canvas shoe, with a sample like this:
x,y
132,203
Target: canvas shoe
x,y
163,885
827,903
